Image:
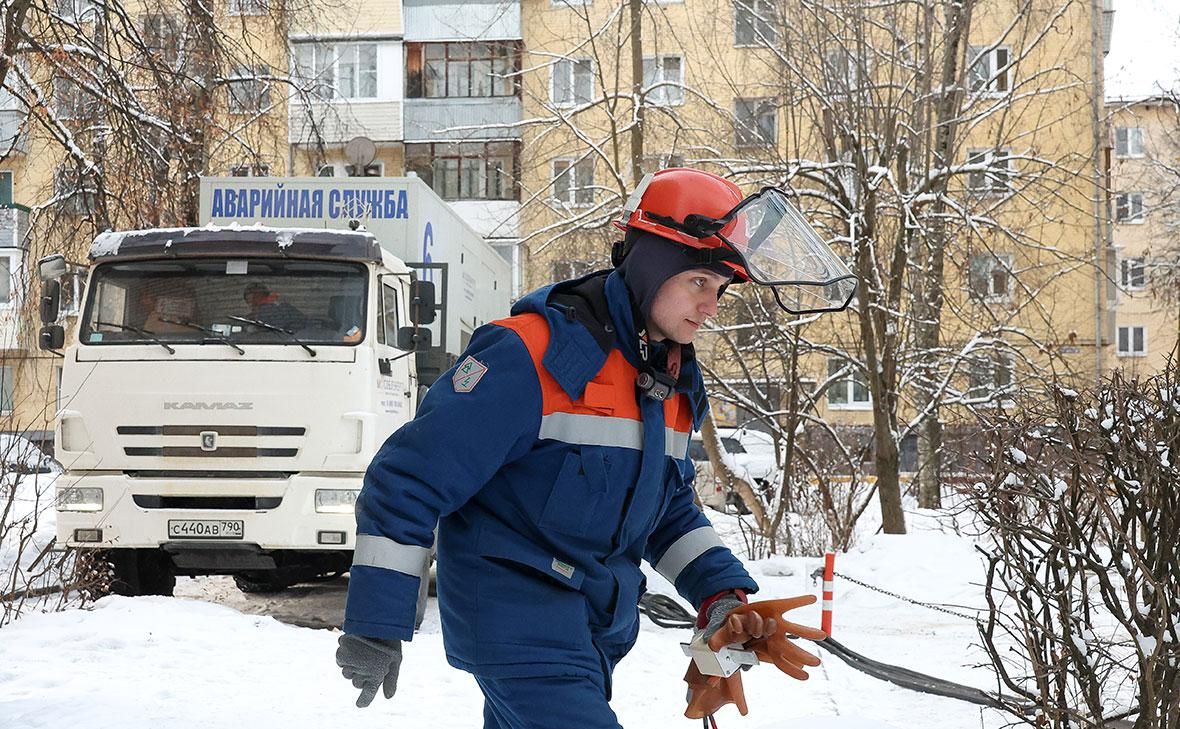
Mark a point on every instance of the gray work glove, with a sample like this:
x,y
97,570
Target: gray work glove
x,y
370,663
717,613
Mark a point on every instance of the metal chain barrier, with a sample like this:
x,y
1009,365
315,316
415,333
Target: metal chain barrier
x,y
973,618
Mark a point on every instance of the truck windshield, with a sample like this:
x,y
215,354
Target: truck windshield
x,y
201,300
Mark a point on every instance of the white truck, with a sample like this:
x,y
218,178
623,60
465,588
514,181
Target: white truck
x,y
228,385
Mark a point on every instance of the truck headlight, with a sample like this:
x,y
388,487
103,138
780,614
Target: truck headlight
x,y
74,498
335,501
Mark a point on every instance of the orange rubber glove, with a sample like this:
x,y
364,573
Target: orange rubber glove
x,y
759,627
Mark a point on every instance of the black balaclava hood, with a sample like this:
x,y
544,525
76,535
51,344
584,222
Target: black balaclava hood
x,y
652,260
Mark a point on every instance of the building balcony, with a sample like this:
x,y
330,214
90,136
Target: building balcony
x,y
458,119
337,122
427,20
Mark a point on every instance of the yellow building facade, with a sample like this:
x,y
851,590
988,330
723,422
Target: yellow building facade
x,y
1144,172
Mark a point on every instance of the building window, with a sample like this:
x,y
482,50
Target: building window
x,y
1133,273
851,389
1132,341
756,122
75,10
571,269
993,171
573,81
315,68
466,170
663,80
246,7
356,71
462,70
990,276
7,385
753,23
70,100
7,272
249,90
1128,207
77,194
1128,141
991,376
337,71
250,171
573,182
373,169
161,36
841,71
988,69
5,188
657,162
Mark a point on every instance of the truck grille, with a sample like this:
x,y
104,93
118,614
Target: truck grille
x,y
207,441
247,503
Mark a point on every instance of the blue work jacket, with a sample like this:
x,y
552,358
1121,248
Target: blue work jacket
x,y
549,479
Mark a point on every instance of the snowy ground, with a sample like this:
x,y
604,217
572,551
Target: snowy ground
x,y
188,662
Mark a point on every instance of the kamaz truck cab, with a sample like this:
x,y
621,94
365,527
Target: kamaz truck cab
x,y
224,394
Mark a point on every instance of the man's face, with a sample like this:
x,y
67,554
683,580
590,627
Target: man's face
x,y
254,299
683,303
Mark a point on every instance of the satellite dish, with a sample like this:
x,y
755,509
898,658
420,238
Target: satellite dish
x,y
360,151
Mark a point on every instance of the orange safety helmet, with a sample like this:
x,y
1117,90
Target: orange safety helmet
x,y
669,202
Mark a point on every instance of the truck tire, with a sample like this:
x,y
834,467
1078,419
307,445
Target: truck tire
x,y
138,572
260,583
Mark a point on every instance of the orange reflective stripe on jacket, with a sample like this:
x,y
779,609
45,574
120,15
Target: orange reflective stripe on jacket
x,y
607,414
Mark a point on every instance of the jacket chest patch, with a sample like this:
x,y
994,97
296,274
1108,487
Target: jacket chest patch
x,y
468,374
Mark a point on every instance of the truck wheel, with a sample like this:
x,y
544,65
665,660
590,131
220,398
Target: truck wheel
x,y
138,572
260,583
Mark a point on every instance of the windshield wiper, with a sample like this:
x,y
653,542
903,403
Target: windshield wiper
x,y
273,328
217,336
137,330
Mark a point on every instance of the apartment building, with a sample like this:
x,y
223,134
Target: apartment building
x,y
1144,173
522,113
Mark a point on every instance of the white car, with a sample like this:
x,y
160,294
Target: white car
x,y
19,455
751,456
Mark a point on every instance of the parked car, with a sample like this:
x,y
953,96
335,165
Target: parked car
x,y
751,456
19,455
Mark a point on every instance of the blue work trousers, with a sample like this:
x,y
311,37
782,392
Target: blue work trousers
x,y
546,702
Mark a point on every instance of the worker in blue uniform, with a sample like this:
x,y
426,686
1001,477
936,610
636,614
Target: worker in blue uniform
x,y
553,458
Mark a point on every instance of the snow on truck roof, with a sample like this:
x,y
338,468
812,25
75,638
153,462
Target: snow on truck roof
x,y
237,240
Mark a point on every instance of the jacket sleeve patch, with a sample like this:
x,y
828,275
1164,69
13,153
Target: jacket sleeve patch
x,y
468,374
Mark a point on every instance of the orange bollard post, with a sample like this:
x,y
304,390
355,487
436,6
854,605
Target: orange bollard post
x,y
829,578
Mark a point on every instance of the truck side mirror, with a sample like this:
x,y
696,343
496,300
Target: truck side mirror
x,y
422,302
52,337
52,267
50,300
413,339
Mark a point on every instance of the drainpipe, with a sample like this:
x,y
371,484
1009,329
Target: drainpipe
x,y
1098,22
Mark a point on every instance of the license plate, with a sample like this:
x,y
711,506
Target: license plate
x,y
205,529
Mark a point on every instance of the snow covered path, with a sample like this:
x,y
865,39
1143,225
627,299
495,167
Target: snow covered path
x,y
181,662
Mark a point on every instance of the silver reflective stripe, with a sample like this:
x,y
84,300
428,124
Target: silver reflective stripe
x,y
595,430
374,551
677,443
685,549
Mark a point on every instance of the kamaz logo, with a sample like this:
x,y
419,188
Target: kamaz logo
x,y
208,405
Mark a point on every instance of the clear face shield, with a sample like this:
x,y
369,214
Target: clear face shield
x,y
778,248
